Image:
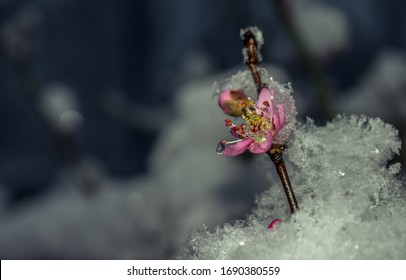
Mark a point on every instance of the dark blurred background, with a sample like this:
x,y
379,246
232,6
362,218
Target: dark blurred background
x,y
87,89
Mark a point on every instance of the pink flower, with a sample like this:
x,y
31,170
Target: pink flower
x,y
264,119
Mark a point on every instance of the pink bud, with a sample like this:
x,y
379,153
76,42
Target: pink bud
x,y
232,102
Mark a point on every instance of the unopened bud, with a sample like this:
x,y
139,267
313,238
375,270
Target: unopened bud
x,y
232,102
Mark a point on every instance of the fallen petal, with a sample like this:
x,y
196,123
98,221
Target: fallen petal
x,y
274,224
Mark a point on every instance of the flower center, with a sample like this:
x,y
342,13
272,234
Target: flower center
x,y
258,122
257,118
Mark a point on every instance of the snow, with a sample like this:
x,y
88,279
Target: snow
x,y
259,39
352,206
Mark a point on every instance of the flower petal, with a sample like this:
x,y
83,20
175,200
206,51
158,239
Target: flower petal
x,y
263,147
266,95
237,148
223,97
274,224
278,116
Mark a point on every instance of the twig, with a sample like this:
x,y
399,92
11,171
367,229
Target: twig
x,y
275,153
252,60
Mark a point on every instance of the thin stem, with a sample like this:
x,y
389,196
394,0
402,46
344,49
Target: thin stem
x,y
252,60
275,153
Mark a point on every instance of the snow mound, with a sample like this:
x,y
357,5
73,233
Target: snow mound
x,y
352,205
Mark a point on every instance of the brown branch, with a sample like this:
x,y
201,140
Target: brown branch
x,y
275,153
252,60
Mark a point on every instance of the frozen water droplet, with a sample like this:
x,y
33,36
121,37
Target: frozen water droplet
x,y
220,148
242,243
376,151
341,173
